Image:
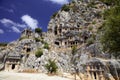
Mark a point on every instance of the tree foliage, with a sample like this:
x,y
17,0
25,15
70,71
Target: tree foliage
x,y
38,30
39,53
111,2
51,66
65,8
110,38
54,15
3,44
46,45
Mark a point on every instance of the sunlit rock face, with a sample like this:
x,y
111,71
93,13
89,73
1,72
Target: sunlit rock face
x,y
76,25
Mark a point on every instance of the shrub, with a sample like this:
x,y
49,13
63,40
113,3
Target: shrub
x,y
46,46
38,30
73,1
90,28
90,41
37,39
42,41
94,22
54,15
91,4
66,8
51,66
3,44
74,49
39,53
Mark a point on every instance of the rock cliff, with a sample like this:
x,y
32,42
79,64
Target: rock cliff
x,y
75,25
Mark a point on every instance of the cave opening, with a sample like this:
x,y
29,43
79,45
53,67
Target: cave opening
x,y
13,66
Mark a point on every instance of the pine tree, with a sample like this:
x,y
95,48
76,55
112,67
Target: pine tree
x,y
110,38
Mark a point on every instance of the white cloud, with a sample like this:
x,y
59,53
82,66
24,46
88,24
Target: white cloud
x,y
8,22
11,25
61,2
1,31
32,23
15,29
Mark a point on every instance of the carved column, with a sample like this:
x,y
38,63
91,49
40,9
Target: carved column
x,y
97,73
101,76
88,72
92,73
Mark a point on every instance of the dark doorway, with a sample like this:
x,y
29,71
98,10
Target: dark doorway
x,y
95,75
28,50
13,66
55,32
57,43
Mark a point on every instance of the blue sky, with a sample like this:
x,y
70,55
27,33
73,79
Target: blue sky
x,y
15,15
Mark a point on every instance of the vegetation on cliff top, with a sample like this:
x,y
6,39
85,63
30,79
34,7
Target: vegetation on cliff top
x,y
3,44
38,30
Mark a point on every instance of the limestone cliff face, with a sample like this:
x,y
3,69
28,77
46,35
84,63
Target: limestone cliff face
x,y
76,22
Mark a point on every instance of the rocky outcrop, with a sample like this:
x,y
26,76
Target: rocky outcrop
x,y
78,17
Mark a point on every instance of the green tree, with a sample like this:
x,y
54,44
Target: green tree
x,y
111,2
65,8
38,30
110,38
51,66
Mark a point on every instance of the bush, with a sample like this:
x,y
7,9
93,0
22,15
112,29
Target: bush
x,y
66,8
46,46
54,15
94,22
90,28
3,44
38,30
74,49
91,4
37,39
51,66
90,41
39,53
42,41
73,1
